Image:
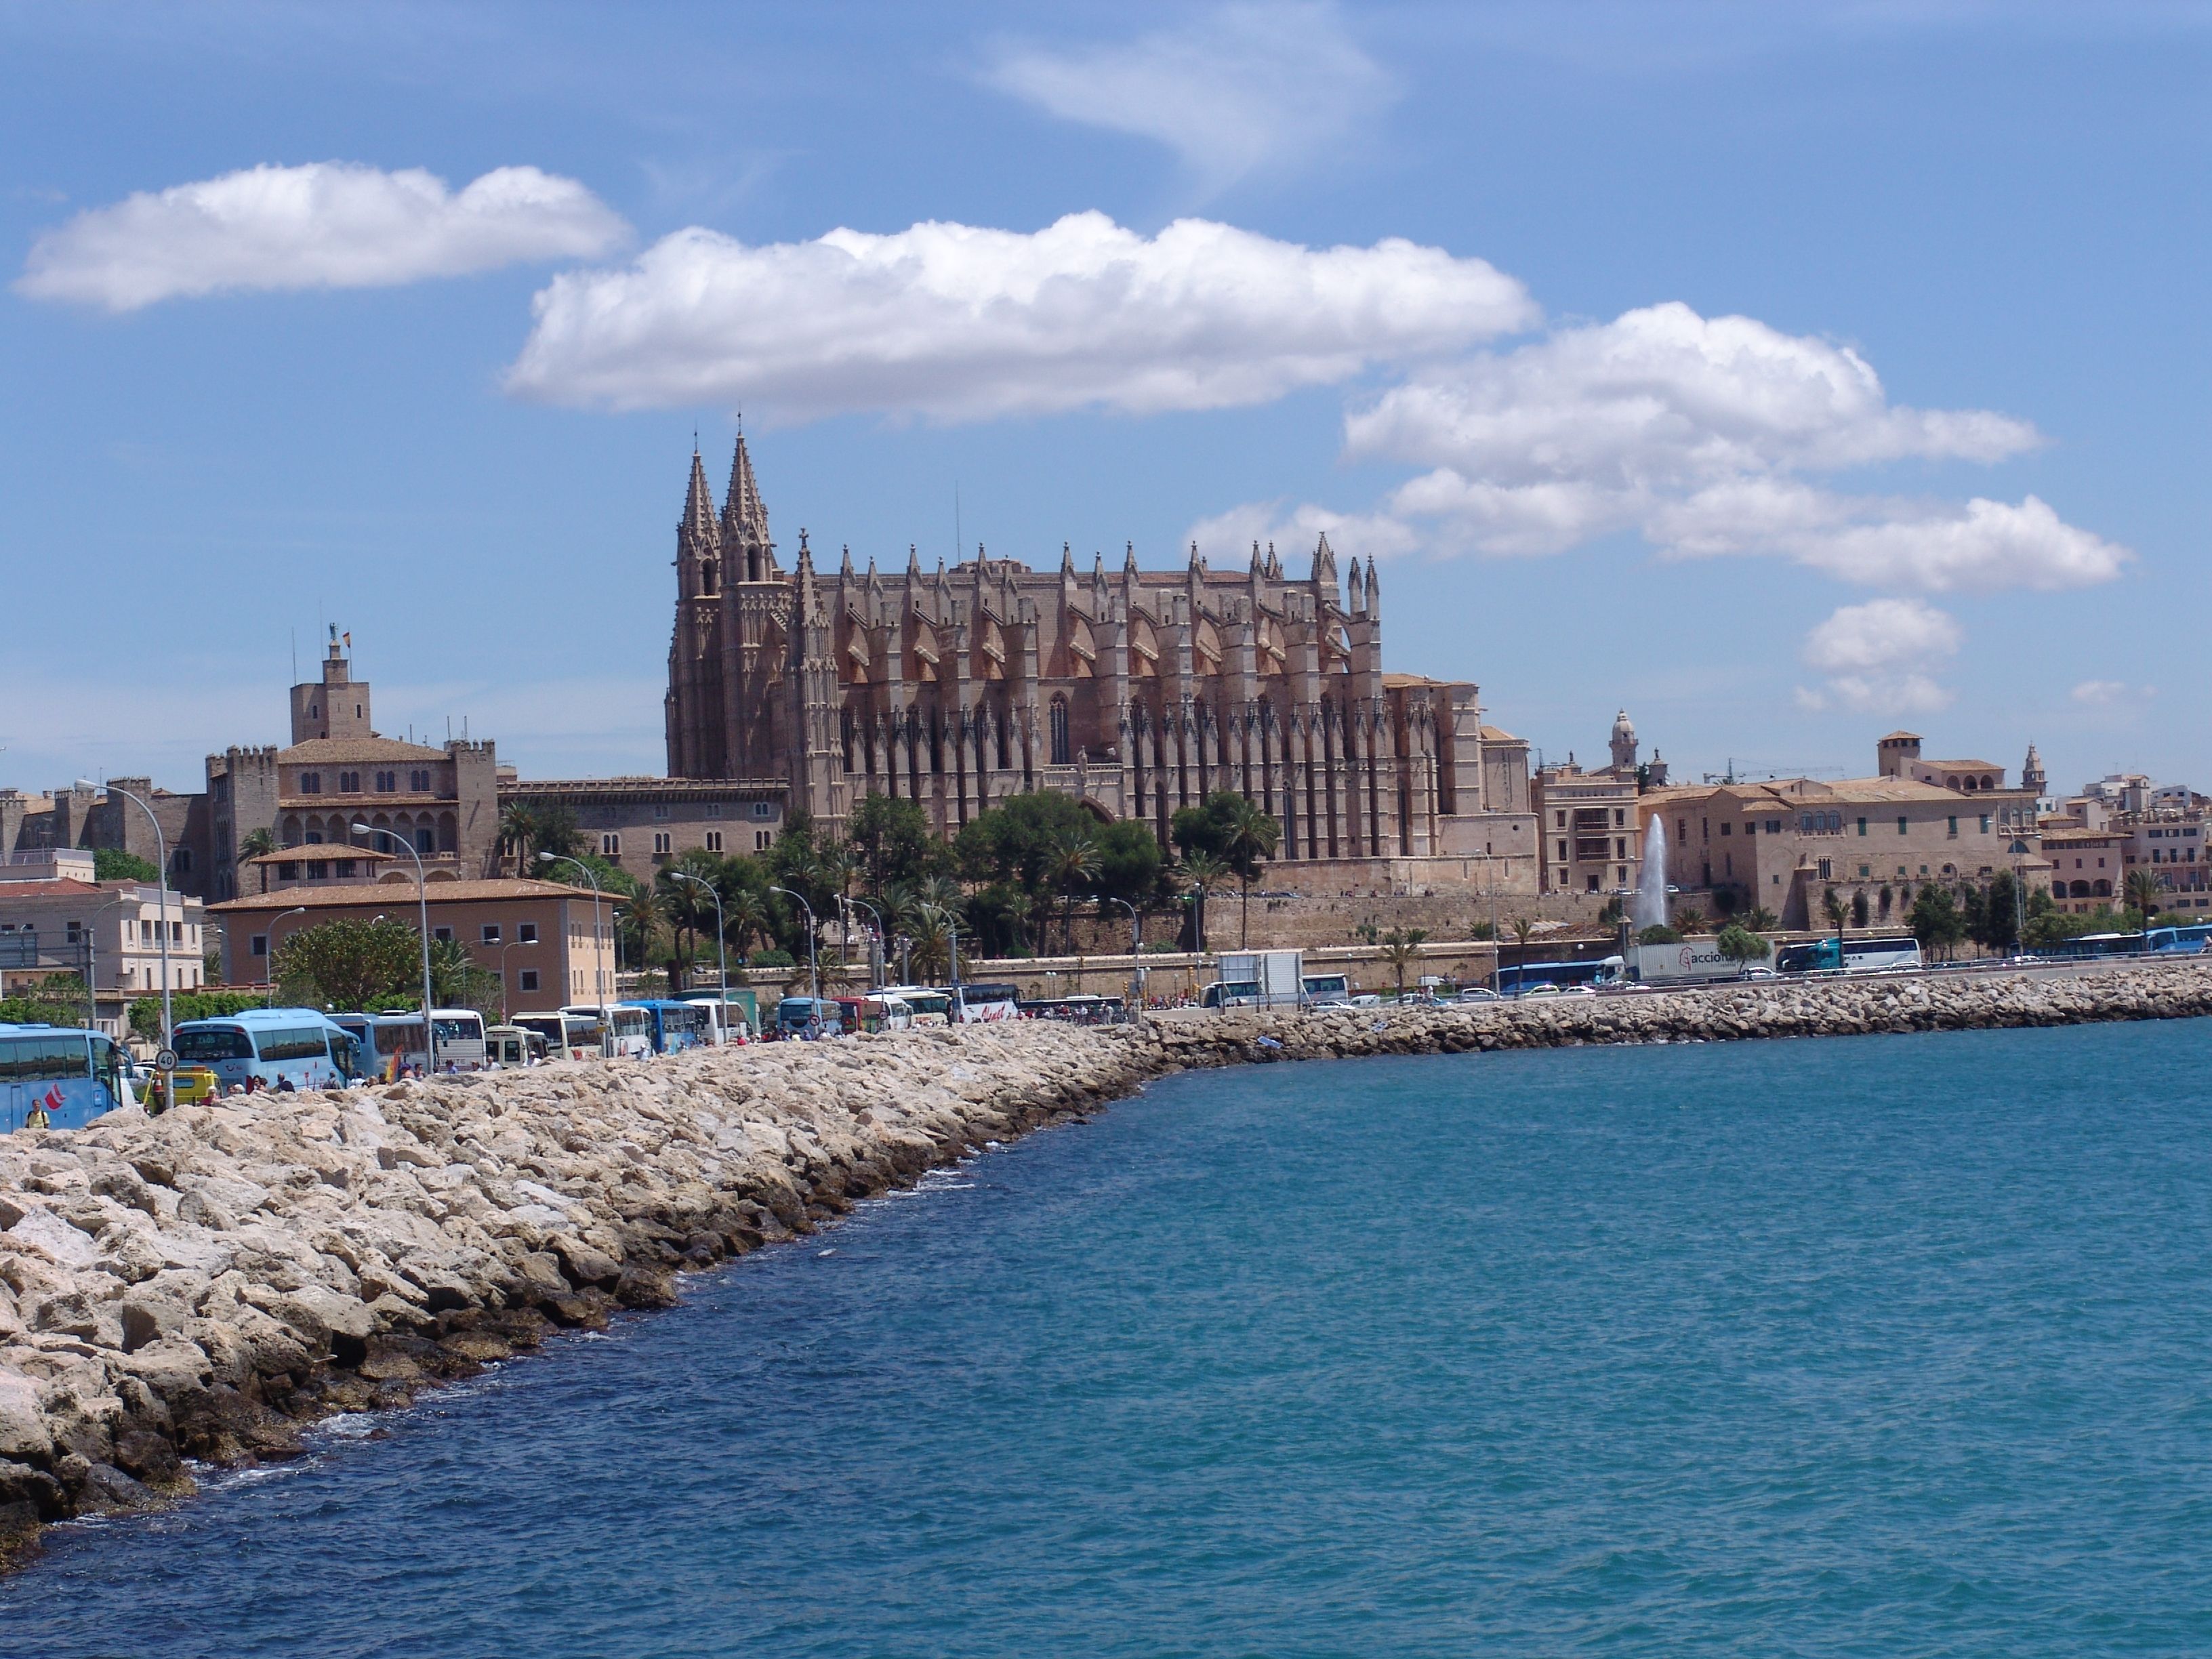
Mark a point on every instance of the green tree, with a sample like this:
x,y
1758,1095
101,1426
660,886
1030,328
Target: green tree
x,y
1860,911
146,1011
1233,828
1935,921
1759,918
1074,865
552,828
457,981
517,834
1997,917
56,999
1659,934
891,841
1203,875
1129,863
1742,946
352,964
1688,920
1401,948
113,863
2144,894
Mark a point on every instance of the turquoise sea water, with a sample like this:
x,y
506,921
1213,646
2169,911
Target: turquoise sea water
x,y
1884,1346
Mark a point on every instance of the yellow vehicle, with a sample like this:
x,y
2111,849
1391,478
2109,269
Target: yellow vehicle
x,y
194,1084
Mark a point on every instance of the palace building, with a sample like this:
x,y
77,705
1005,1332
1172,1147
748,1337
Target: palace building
x,y
1135,692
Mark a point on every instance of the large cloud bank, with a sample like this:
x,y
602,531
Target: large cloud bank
x,y
1706,436
330,224
955,323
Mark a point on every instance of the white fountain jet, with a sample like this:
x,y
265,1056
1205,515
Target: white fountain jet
x,y
1652,881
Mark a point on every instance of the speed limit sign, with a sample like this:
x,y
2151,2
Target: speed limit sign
x,y
165,1060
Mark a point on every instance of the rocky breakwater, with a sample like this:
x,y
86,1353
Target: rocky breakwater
x,y
203,1284
1767,1008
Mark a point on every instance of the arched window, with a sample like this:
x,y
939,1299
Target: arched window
x,y
425,840
1062,754
706,577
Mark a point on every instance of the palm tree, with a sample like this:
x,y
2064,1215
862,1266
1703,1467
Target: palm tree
x,y
746,914
1522,926
518,834
1251,834
641,919
1202,873
1690,919
1072,861
2143,890
252,845
1839,913
1401,948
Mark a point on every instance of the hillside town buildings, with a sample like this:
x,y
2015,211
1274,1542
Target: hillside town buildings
x,y
57,918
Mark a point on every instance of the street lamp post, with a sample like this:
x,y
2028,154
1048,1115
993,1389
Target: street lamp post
x,y
423,901
1136,950
598,930
269,944
161,847
813,968
875,942
721,939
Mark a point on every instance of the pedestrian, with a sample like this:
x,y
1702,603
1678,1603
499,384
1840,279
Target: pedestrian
x,y
36,1118
284,1086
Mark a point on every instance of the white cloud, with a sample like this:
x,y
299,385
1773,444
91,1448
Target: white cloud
x,y
1698,433
2107,694
1881,657
330,224
957,323
1293,532
1243,89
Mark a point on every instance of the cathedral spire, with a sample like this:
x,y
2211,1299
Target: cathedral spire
x,y
1324,563
1374,589
1129,559
698,521
744,521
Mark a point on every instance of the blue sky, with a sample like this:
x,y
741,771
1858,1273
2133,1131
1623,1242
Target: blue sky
x,y
1784,374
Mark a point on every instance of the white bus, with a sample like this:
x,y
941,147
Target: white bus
x,y
926,1005
1859,956
630,1034
460,1034
988,1002
566,1036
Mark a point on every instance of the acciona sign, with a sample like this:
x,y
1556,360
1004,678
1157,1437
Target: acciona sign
x,y
1699,958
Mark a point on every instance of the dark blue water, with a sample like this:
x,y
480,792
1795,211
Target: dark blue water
x,y
1886,1346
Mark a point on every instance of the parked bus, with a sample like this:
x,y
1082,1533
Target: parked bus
x,y
567,1035
1858,956
986,1002
72,1075
630,1033
1328,991
800,1016
674,1026
2088,946
925,1005
506,1047
1082,1009
460,1034
2189,941
269,1046
389,1044
736,1012
1531,976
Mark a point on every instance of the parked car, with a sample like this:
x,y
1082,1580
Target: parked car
x,y
1480,993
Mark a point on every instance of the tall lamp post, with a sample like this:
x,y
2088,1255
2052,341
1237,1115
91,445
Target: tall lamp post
x,y
1136,950
813,971
599,928
721,939
161,845
875,942
269,944
423,901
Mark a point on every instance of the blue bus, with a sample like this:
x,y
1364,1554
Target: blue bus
x,y
72,1075
301,1046
676,1025
1858,955
2088,946
2188,941
388,1045
1529,977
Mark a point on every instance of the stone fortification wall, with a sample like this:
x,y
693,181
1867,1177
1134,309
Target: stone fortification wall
x,y
201,1284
